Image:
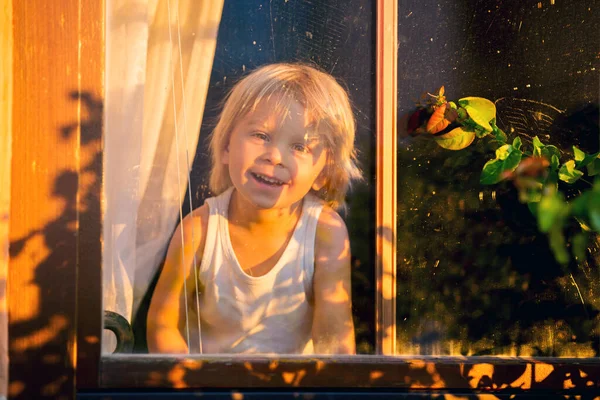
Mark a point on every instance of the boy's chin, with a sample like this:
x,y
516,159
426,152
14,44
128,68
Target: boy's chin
x,y
272,204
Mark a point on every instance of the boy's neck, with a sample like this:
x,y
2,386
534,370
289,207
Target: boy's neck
x,y
252,218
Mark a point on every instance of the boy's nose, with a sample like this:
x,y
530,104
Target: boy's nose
x,y
274,155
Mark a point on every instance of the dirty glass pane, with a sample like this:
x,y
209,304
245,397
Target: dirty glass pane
x,y
475,275
337,37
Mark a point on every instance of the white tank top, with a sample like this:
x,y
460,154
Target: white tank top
x,y
268,314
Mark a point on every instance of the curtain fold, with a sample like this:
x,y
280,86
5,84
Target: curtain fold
x,y
159,56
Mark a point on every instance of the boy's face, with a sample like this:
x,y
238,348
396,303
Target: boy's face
x,y
274,160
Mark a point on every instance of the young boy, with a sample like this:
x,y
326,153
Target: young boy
x,y
265,265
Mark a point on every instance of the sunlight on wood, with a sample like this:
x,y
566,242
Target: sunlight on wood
x,y
33,253
40,337
293,378
15,388
237,396
374,375
53,388
478,372
6,89
154,379
92,339
319,365
416,364
176,377
192,364
259,375
542,371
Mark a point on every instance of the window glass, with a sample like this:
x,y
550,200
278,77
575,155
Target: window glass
x,y
335,36
475,275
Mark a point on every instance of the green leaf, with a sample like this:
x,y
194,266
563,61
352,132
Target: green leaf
x,y
537,147
552,210
517,143
568,173
579,155
507,159
541,150
550,151
579,206
582,159
498,133
492,172
480,132
579,245
594,210
593,168
531,195
481,110
456,139
557,244
533,207
512,160
554,162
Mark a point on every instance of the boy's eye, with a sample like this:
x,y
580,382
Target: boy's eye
x,y
260,135
301,148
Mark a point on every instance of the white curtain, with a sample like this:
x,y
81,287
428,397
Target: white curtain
x,y
159,55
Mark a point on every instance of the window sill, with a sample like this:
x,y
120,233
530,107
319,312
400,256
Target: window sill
x,y
399,372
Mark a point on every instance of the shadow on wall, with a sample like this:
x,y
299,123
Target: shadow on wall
x,y
39,366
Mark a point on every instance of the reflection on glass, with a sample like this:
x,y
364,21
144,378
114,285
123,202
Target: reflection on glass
x,y
475,276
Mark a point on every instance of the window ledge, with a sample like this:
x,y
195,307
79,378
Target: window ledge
x,y
400,372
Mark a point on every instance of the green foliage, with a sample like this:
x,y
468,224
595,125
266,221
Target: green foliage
x,y
457,139
568,173
507,158
535,172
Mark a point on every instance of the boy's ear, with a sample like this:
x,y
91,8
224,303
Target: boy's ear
x,y
320,181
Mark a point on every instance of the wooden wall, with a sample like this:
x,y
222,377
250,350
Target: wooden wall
x,y
6,44
56,176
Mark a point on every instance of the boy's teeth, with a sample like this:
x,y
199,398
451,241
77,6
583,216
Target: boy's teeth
x,y
268,180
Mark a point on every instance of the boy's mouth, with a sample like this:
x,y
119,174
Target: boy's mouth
x,y
267,179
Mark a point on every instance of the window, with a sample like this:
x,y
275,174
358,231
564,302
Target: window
x,y
54,270
475,276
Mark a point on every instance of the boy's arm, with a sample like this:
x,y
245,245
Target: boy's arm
x,y
333,328
167,304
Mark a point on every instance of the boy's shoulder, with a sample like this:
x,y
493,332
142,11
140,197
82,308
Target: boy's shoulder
x,y
194,226
197,218
332,234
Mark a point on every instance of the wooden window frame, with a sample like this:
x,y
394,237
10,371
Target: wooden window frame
x,y
57,94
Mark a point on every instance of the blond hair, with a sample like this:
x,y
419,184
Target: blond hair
x,y
326,104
